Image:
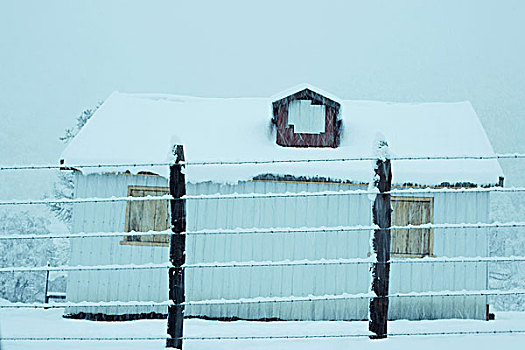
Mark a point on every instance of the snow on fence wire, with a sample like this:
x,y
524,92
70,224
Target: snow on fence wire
x,y
249,264
355,261
262,195
348,296
20,305
269,263
265,300
113,267
280,230
275,161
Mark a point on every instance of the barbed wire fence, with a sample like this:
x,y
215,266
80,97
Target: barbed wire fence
x,y
168,266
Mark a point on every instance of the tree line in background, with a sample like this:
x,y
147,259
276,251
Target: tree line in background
x,y
30,286
507,207
64,186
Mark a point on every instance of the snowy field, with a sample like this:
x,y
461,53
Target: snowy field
x,y
49,323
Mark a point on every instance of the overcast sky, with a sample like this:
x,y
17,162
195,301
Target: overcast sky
x,y
60,57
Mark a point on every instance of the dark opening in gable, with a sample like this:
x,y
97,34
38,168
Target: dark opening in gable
x,y
307,119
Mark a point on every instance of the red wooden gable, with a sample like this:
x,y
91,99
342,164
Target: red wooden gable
x,y
288,137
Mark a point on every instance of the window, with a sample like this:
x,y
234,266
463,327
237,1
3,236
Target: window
x,y
306,117
144,216
414,243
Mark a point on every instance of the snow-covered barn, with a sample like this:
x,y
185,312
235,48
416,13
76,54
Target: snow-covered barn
x,y
302,123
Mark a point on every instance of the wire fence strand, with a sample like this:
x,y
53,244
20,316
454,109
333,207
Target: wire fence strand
x,y
20,305
256,264
259,162
266,337
399,192
281,230
250,264
347,296
265,300
87,268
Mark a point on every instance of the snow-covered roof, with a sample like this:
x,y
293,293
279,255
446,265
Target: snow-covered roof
x,y
140,128
301,87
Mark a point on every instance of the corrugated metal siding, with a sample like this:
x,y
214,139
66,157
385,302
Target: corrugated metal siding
x,y
127,285
278,281
453,209
233,283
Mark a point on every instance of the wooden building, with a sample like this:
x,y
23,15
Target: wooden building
x,y
302,123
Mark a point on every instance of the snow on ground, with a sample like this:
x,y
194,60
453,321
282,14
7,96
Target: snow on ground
x,y
49,323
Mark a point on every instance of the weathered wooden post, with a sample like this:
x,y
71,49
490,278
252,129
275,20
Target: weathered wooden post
x,y
46,297
177,250
381,244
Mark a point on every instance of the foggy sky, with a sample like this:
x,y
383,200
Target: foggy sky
x,y
60,57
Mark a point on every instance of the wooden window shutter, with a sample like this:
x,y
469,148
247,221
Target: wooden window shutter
x,y
412,211
144,216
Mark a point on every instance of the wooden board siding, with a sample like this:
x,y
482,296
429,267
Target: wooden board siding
x,y
285,132
144,216
415,243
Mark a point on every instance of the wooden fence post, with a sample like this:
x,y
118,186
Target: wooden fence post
x,y
381,245
46,297
177,250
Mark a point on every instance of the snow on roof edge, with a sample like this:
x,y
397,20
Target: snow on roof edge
x,y
177,99
301,87
273,98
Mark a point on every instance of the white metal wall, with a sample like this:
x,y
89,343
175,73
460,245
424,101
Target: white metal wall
x,y
452,209
234,283
124,285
